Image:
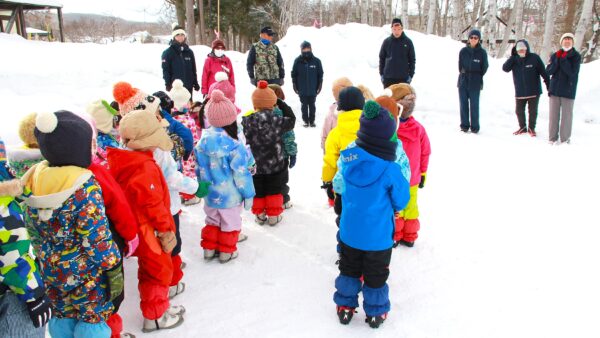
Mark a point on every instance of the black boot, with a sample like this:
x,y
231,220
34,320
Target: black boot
x,y
406,243
345,314
375,321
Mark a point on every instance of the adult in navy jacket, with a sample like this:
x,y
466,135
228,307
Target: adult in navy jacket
x,y
527,69
472,65
307,77
396,57
564,73
178,62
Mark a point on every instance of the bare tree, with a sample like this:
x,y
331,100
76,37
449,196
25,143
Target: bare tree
x,y
201,24
570,17
458,14
190,26
431,15
515,20
489,25
595,39
405,22
548,30
584,23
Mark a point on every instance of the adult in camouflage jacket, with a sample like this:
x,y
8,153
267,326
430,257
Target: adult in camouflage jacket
x,y
264,60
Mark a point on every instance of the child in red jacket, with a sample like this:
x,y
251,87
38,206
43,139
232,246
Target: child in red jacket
x,y
146,190
416,145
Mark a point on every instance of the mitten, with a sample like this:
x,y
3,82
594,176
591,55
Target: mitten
x,y
196,87
295,89
39,311
202,188
253,81
167,241
381,77
132,245
168,87
409,79
513,51
328,186
422,183
115,281
292,161
281,82
248,203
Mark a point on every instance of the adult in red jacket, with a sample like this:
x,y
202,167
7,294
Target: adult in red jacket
x,y
146,190
216,61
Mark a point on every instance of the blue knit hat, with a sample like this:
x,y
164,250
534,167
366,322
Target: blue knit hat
x,y
377,132
475,32
350,98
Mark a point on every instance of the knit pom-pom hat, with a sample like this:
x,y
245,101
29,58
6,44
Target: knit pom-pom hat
x,y
180,95
26,127
64,139
377,131
220,112
263,97
130,99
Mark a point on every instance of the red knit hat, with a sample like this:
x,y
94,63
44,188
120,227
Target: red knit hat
x,y
218,43
263,97
220,112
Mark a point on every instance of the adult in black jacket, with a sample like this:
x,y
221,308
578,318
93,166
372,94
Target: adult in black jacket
x,y
527,69
178,62
472,66
564,74
307,77
396,57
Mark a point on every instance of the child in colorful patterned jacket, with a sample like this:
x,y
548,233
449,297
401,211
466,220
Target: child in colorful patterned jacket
x,y
80,262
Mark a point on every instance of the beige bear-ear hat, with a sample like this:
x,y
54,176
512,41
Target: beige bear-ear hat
x,y
399,91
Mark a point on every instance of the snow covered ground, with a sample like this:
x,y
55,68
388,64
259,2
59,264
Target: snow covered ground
x,y
509,234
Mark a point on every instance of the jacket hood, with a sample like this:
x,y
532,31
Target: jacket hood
x,y
526,44
361,168
51,186
124,163
349,121
217,143
408,130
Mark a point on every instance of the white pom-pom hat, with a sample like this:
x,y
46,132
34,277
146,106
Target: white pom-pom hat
x,y
180,95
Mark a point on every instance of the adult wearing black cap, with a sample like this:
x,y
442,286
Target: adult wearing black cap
x,y
178,62
307,77
396,57
264,60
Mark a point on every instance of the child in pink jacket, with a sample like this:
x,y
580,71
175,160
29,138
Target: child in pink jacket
x,y
331,118
416,145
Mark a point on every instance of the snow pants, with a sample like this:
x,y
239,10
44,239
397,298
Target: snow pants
x,y
561,118
469,108
222,229
157,270
73,328
269,189
407,220
373,266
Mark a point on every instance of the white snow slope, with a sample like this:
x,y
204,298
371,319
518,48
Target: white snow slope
x,y
509,240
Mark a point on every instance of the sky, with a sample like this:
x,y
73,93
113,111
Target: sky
x,y
130,10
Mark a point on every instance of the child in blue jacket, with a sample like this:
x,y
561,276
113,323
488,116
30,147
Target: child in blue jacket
x,y
374,190
223,161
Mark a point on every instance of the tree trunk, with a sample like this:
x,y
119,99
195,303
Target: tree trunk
x,y
513,21
364,11
570,17
180,12
405,21
585,21
201,24
458,13
548,31
431,15
589,54
518,9
476,7
489,32
190,26
444,30
425,16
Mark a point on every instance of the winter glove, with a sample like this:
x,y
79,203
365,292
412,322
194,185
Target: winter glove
x,y
513,51
292,161
295,89
167,241
248,203
328,186
132,245
382,79
253,81
319,88
561,54
196,87
202,189
39,311
115,281
422,183
281,82
168,87
409,79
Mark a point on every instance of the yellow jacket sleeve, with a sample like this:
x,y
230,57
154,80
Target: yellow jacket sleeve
x,y
332,153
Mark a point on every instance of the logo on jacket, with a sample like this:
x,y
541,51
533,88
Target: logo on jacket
x,y
187,58
528,66
476,60
350,158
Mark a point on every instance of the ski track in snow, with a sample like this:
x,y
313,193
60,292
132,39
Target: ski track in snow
x,y
508,242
